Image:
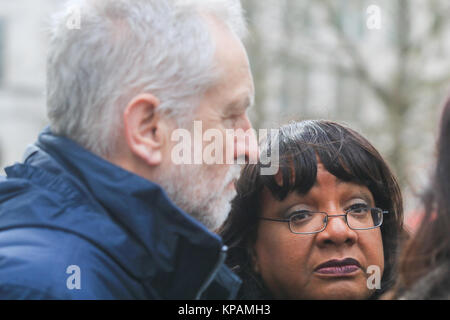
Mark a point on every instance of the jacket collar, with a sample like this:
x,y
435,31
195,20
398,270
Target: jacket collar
x,y
169,245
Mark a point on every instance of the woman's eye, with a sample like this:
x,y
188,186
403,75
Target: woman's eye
x,y
358,208
300,215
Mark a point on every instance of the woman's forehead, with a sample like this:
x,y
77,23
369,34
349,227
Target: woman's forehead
x,y
323,178
320,168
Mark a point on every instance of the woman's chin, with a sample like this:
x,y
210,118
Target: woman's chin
x,y
345,296
341,291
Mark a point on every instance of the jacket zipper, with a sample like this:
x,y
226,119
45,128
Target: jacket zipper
x,y
212,275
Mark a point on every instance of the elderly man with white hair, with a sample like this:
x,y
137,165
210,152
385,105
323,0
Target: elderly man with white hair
x,y
98,209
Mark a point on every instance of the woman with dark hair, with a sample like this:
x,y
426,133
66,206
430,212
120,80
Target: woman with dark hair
x,y
424,271
324,227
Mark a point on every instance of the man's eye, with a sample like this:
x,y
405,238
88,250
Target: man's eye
x,y
234,121
236,117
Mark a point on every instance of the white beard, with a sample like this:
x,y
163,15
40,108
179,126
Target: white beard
x,y
199,192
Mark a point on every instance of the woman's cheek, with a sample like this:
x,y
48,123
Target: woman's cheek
x,y
266,248
373,248
277,250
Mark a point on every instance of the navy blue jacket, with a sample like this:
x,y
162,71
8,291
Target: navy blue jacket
x,y
74,226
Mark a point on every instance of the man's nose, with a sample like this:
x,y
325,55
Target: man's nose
x,y
246,143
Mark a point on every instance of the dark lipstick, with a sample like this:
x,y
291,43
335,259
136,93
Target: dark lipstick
x,y
338,267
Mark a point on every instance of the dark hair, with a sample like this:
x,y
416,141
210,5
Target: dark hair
x,y
345,154
430,246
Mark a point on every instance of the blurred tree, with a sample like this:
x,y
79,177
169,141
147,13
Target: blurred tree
x,y
388,83
408,78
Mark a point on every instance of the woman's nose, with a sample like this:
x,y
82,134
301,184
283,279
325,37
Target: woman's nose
x,y
337,232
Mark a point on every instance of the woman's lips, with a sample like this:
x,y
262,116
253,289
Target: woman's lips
x,y
338,270
338,267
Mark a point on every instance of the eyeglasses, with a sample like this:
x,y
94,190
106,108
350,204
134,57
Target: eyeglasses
x,y
307,222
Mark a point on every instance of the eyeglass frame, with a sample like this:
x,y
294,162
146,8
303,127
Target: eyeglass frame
x,y
383,212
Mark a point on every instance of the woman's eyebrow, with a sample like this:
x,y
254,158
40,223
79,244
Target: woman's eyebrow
x,y
365,196
361,193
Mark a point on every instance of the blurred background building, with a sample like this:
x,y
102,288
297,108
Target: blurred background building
x,y
22,74
381,66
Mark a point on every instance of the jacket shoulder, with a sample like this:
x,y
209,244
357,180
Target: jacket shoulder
x,y
37,263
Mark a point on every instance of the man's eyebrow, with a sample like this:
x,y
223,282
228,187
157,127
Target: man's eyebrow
x,y
249,101
238,104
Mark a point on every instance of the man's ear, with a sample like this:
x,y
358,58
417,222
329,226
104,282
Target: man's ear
x,y
143,128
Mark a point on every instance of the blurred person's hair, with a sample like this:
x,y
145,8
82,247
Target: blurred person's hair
x,y
429,248
345,154
124,48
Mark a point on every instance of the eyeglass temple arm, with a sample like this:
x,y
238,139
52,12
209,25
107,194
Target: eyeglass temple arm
x,y
277,220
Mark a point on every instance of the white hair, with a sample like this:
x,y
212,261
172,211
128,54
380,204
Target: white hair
x,y
126,47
